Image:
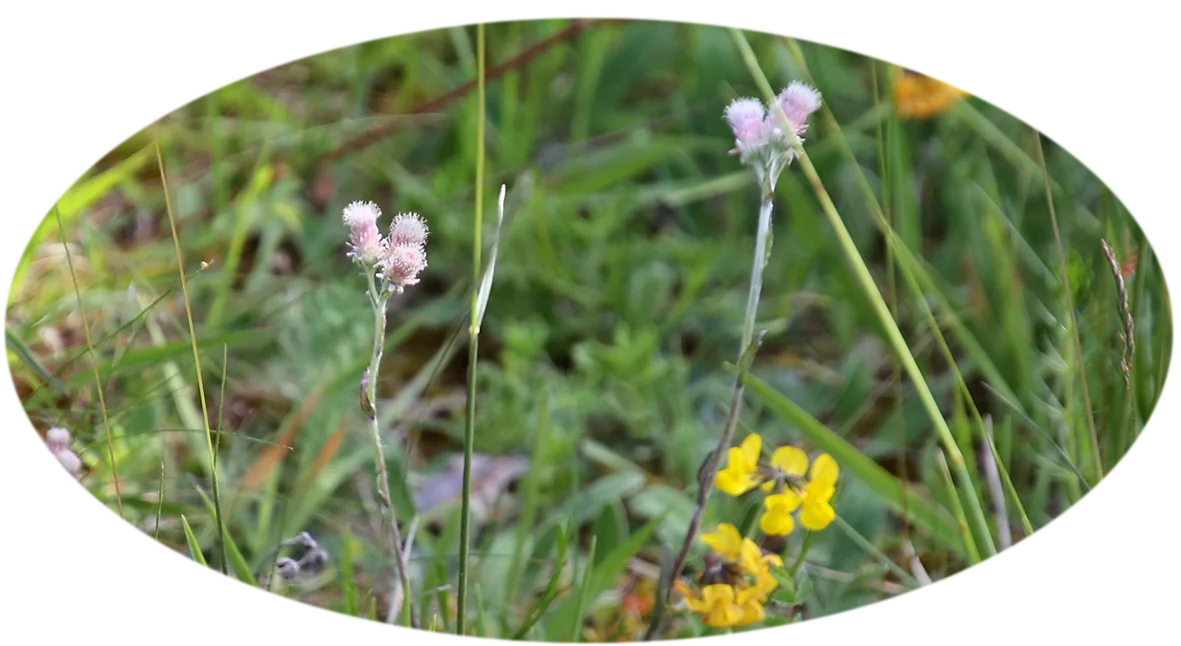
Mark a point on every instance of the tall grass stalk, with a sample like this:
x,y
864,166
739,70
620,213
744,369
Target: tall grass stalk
x,y
866,281
1089,416
98,382
184,286
899,255
469,434
159,505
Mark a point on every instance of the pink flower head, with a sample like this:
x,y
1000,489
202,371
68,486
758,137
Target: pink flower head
x,y
58,441
745,117
402,264
408,229
364,238
797,101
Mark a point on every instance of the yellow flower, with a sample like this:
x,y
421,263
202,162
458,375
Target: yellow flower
x,y
738,476
751,601
739,601
723,605
813,499
787,461
731,546
817,513
759,566
725,540
718,603
777,521
921,97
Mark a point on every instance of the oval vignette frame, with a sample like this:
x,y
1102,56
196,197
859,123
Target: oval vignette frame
x,y
253,67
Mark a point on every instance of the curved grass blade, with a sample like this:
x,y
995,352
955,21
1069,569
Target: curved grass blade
x,y
194,547
890,489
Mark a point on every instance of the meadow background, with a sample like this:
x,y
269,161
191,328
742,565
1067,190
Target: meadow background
x,y
619,293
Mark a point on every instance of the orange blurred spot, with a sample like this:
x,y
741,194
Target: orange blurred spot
x,y
920,97
636,604
1129,264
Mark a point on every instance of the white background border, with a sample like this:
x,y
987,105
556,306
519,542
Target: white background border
x,y
1098,78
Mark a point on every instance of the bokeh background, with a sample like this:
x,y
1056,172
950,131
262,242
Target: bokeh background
x,y
618,301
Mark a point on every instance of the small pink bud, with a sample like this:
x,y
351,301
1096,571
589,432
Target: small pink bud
x,y
70,461
798,101
57,438
408,229
364,238
745,117
402,264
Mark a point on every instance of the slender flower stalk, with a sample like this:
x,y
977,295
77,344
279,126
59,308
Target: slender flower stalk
x,y
469,434
768,147
390,265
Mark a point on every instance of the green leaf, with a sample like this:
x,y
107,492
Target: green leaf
x,y
194,547
348,588
610,528
602,492
583,592
237,562
542,603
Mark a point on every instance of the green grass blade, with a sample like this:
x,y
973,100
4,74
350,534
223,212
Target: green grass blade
x,y
529,508
348,586
954,497
237,562
1079,358
865,544
542,603
184,286
477,312
600,578
481,619
865,280
194,547
583,592
890,489
159,505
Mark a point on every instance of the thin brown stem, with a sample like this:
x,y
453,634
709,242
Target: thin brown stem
x,y
376,133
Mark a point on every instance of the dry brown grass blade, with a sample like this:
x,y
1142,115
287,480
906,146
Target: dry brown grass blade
x,y
328,451
272,455
98,382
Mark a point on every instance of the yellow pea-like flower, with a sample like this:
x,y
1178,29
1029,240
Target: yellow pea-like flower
x,y
725,540
738,476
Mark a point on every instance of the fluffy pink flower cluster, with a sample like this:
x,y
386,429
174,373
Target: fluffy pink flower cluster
x,y
758,134
399,257
58,441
